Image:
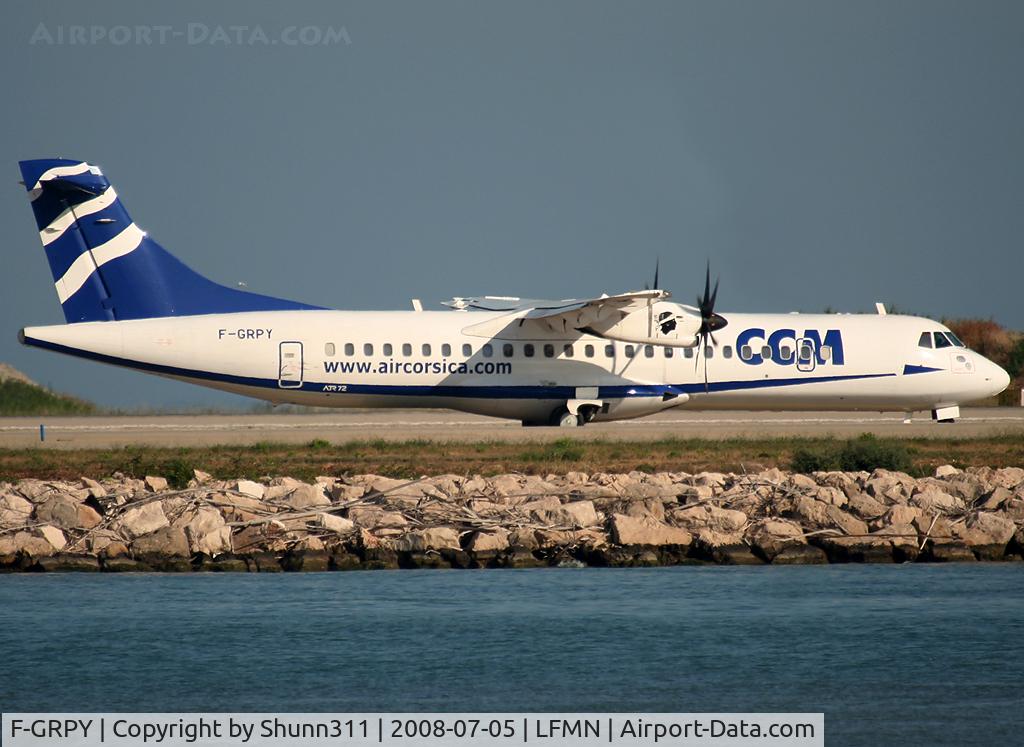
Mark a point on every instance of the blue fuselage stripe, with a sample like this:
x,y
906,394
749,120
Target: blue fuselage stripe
x,y
617,391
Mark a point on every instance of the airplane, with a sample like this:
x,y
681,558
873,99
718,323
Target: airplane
x,y
129,302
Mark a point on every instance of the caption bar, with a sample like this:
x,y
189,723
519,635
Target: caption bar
x,y
392,729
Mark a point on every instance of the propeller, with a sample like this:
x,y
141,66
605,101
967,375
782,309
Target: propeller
x,y
657,262
710,322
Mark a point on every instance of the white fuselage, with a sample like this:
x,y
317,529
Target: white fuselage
x,y
481,362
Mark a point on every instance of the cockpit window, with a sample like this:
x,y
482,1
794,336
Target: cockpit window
x,y
941,341
925,341
955,340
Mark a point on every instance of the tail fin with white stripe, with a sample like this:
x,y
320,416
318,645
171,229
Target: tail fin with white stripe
x,y
105,268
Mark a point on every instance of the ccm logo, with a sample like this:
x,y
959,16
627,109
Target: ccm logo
x,y
757,338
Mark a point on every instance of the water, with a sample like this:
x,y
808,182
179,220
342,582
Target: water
x,y
908,654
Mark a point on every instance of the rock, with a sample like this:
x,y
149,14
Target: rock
x,y
306,496
768,537
67,563
904,540
142,520
575,514
423,540
811,512
987,535
651,508
547,503
375,517
15,511
1008,477
802,482
168,542
995,498
856,549
29,543
830,495
334,523
249,488
523,539
52,535
68,514
946,551
946,470
864,506
935,501
156,484
489,543
885,489
213,543
306,561
800,555
732,554
122,564
435,538
627,530
201,477
342,493
900,514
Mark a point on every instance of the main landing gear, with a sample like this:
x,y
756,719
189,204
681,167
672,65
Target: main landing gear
x,y
562,417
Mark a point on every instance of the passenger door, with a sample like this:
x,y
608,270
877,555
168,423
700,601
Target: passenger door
x,y
806,354
289,365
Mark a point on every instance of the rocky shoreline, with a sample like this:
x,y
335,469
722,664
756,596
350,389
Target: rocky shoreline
x,y
512,521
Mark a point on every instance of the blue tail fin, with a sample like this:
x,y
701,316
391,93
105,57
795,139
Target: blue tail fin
x,y
106,268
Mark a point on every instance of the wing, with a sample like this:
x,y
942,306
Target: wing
x,y
536,308
637,316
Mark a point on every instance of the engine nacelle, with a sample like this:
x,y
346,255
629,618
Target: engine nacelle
x,y
661,323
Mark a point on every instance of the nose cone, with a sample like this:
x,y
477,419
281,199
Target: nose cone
x,y
996,379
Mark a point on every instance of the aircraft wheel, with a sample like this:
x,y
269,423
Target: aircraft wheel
x,y
565,419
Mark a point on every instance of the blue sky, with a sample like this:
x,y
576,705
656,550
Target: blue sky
x,y
821,154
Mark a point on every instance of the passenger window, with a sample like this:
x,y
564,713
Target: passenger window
x,y
746,353
487,350
825,352
329,350
925,341
688,352
507,350
549,350
629,351
528,350
766,352
567,351
609,351
668,352
941,341
467,349
367,348
806,351
446,350
388,350
727,351
350,349
588,350
649,351
406,349
785,354
709,352
426,349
